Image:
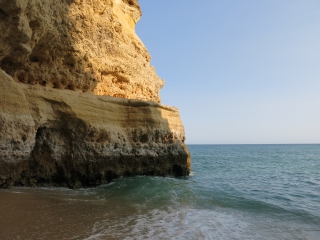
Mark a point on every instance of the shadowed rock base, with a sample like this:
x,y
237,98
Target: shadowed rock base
x,y
52,137
43,170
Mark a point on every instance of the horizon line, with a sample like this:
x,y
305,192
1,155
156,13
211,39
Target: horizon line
x,y
253,143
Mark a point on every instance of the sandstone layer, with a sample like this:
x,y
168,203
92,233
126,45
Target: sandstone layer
x,y
61,137
85,45
79,100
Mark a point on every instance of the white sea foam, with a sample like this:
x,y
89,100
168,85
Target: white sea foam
x,y
174,224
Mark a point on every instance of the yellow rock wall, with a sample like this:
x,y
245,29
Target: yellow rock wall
x,y
80,45
79,101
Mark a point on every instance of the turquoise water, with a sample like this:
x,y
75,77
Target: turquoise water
x,y
234,192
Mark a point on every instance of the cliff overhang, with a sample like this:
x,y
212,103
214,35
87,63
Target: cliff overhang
x,y
80,101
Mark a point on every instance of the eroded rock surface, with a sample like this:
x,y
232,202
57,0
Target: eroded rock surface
x,y
85,45
56,58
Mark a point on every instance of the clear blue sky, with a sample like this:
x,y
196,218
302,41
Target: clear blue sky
x,y
240,71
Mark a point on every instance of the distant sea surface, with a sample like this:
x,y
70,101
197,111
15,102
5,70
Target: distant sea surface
x,y
234,192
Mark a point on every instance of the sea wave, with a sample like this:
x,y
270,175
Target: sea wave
x,y
174,224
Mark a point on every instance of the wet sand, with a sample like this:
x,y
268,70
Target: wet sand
x,y
28,214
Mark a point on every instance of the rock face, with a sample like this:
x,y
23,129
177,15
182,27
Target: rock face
x,y
85,45
79,101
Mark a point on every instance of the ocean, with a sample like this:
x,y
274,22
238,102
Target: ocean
x,y
233,192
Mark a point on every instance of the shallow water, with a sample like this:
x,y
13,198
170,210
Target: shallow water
x,y
234,192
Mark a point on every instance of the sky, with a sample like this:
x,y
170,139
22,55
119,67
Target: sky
x,y
240,71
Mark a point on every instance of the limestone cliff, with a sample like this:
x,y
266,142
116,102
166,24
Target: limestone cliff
x,y
85,45
80,102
